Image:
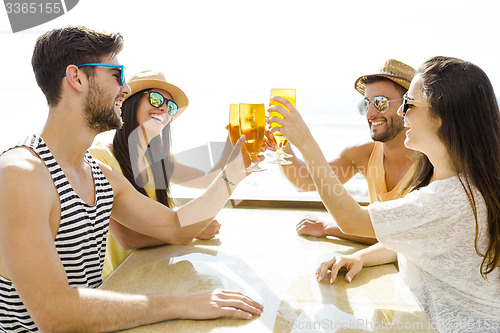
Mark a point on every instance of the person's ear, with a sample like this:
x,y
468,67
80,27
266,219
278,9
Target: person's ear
x,y
74,78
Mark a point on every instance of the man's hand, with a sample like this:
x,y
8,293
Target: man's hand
x,y
215,304
210,231
293,126
312,226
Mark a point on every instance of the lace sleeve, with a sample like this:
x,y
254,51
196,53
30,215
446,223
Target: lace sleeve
x,y
432,218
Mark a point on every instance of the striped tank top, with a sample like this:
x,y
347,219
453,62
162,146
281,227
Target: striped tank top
x,y
80,240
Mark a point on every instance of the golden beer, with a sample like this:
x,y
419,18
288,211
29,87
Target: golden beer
x,y
253,126
291,96
234,123
255,138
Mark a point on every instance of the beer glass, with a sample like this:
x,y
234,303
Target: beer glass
x,y
234,123
253,126
281,141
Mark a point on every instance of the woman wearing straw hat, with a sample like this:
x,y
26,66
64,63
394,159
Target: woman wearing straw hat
x,y
141,152
446,229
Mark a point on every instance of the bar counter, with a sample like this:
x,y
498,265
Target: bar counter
x,y
259,253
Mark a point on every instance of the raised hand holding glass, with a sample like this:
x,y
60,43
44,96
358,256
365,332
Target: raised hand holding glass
x,y
281,141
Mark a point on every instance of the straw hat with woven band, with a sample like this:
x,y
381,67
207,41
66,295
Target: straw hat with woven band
x,y
393,70
154,79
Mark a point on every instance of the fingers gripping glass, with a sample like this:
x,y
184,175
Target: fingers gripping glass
x,y
121,68
407,102
380,103
157,100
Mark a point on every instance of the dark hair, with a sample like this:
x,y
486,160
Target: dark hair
x,y
372,79
462,96
128,158
57,49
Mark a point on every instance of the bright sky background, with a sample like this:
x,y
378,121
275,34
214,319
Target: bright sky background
x,y
229,51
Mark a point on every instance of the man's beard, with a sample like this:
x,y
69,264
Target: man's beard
x,y
99,116
393,128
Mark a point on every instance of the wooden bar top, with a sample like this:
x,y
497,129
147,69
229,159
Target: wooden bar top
x,y
259,253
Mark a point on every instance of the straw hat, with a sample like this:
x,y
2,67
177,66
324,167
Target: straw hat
x,y
393,70
154,79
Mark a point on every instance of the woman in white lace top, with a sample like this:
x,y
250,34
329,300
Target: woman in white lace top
x,y
446,229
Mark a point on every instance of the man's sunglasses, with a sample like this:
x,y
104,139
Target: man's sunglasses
x,y
157,100
121,68
407,102
380,103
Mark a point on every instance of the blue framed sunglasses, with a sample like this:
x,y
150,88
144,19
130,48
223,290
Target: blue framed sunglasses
x,y
157,100
121,68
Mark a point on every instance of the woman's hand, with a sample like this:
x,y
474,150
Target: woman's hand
x,y
210,231
293,126
353,263
237,162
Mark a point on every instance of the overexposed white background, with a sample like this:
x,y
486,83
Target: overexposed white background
x,y
229,51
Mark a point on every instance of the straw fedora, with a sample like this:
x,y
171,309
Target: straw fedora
x,y
155,79
393,70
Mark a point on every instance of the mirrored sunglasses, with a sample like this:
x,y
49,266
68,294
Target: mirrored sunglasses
x,y
380,103
121,68
407,102
157,100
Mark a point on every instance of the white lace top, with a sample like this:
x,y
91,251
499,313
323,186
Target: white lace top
x,y
433,231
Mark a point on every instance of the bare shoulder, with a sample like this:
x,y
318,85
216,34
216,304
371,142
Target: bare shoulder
x,y
24,184
21,161
21,169
358,154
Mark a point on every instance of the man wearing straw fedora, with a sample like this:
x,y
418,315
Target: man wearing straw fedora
x,y
56,201
385,162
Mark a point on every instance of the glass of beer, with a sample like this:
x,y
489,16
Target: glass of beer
x,y
281,141
234,123
253,126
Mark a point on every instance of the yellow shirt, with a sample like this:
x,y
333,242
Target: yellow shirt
x,y
375,177
115,254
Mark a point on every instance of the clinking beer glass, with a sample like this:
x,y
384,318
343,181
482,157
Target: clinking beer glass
x,y
281,141
234,123
253,126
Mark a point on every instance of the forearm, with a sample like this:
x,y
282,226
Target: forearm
x,y
376,254
190,176
200,181
334,230
208,205
91,310
138,241
151,218
224,156
297,173
335,197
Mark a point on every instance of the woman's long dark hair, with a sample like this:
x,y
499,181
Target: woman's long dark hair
x,y
462,96
125,150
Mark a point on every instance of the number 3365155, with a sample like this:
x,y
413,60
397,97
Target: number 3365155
x,y
33,8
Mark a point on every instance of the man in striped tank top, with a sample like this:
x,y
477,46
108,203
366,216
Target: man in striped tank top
x,y
56,201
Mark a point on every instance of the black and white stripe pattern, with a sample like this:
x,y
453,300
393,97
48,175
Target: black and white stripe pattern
x,y
80,240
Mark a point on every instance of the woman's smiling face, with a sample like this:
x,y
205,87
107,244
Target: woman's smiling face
x,y
153,119
422,127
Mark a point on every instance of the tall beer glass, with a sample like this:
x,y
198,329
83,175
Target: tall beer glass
x,y
253,126
234,123
281,141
